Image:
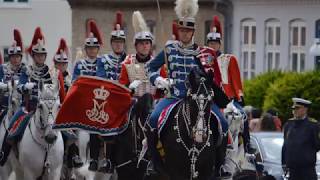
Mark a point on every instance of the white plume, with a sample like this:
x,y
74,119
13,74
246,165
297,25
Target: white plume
x,y
138,22
186,8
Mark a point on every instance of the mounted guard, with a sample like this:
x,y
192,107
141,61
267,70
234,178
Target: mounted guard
x,y
231,79
10,72
61,60
181,58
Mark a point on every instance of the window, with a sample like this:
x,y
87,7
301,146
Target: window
x,y
272,52
19,1
318,29
297,45
317,63
207,25
248,48
5,55
151,25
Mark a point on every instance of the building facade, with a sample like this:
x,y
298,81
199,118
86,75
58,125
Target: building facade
x,y
53,16
275,35
103,12
264,34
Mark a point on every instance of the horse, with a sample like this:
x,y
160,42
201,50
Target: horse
x,y
127,146
236,160
13,105
40,151
130,157
191,134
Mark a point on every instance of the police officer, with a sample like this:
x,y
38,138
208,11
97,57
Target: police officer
x,y
301,143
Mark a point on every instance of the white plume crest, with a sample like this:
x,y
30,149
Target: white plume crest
x,y
186,8
138,22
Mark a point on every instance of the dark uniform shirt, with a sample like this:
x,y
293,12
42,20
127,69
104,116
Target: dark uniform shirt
x,y
301,143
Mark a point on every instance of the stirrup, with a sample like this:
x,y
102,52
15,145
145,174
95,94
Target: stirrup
x,y
77,162
105,166
93,165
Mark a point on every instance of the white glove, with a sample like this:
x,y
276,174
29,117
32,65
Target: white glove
x,y
29,85
135,84
162,83
3,86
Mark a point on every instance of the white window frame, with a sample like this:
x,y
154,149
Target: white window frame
x,y
248,71
15,4
274,48
297,49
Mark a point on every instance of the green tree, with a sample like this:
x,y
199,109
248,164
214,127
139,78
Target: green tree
x,y
305,85
255,89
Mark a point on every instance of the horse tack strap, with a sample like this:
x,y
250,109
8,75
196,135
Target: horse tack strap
x,y
43,167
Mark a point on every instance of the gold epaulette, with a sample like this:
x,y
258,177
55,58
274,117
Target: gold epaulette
x,y
291,119
312,120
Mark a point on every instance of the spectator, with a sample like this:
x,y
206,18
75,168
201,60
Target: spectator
x,y
276,118
267,123
254,123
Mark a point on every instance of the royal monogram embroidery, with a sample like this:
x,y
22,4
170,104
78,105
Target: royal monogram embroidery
x,y
97,113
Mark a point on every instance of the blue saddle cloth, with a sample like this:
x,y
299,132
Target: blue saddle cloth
x,y
19,121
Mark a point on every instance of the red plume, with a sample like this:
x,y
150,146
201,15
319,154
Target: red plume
x,y
1,61
62,92
175,30
217,24
63,46
119,20
93,28
17,38
36,36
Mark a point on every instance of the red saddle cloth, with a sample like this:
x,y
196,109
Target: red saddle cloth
x,y
96,105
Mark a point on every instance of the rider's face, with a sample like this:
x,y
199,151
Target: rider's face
x,y
61,66
143,47
214,45
92,51
117,45
15,60
185,35
39,59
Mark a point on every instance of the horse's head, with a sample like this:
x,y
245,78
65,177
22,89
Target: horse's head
x,y
200,95
234,117
47,109
200,89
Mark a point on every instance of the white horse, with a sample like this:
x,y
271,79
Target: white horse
x,y
236,160
13,105
83,172
40,152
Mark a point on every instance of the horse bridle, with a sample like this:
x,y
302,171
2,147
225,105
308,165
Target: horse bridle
x,y
49,105
202,102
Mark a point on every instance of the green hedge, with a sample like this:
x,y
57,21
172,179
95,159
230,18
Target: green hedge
x,y
255,89
305,85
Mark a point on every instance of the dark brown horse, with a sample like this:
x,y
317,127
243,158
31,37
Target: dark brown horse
x,y
191,135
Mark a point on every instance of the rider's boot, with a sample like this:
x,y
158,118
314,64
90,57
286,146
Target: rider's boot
x,y
152,141
5,150
94,152
74,159
105,165
221,173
